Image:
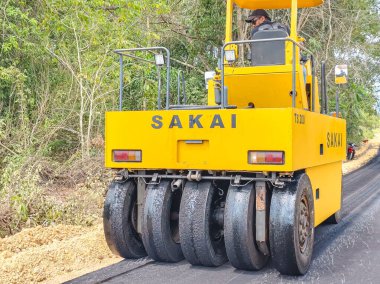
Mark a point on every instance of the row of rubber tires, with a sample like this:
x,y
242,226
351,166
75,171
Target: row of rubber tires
x,y
208,227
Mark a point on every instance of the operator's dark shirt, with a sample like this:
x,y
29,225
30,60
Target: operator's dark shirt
x,y
268,25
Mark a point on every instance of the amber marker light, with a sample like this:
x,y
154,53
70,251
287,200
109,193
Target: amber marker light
x,y
127,155
266,157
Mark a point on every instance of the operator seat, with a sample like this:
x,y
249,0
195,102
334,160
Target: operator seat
x,y
269,53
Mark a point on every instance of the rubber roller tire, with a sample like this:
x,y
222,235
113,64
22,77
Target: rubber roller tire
x,y
291,226
240,229
195,225
337,216
159,233
119,228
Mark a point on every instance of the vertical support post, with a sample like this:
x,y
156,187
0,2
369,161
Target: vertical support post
x,y
261,211
222,91
141,187
294,20
179,88
337,102
229,18
326,99
325,90
313,83
293,35
159,87
294,82
167,79
121,82
184,88
323,87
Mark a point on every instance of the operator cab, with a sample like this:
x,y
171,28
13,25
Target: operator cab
x,y
275,76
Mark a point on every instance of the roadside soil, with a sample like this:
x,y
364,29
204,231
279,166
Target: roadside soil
x,y
364,154
59,253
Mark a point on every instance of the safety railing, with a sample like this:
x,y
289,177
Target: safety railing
x,y
126,52
224,98
180,78
181,83
324,88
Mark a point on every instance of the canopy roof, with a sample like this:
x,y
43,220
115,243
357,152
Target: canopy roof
x,y
275,4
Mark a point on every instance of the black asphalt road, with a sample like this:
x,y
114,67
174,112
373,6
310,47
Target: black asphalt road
x,y
345,253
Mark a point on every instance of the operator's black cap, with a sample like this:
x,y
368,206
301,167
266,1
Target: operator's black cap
x,y
257,13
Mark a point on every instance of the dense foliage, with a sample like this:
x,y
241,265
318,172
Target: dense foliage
x,y
58,74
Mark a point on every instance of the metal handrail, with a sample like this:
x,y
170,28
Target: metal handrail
x,y
181,80
225,100
324,88
187,107
122,52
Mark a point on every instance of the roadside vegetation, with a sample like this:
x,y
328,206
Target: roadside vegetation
x,y
58,75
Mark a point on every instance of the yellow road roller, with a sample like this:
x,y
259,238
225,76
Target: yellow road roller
x,y
246,177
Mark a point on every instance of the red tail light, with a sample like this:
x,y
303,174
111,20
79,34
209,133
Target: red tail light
x,y
266,157
127,155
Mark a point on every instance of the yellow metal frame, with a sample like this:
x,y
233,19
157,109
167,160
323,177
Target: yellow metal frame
x,y
225,137
249,84
269,4
277,4
327,180
220,139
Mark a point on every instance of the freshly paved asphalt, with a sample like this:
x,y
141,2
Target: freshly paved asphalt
x,y
345,253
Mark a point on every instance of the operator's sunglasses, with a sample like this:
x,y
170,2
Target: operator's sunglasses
x,y
254,20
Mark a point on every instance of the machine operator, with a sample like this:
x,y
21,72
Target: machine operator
x,y
261,21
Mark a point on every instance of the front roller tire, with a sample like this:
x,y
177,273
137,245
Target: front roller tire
x,y
240,229
337,216
119,220
160,223
291,226
201,237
